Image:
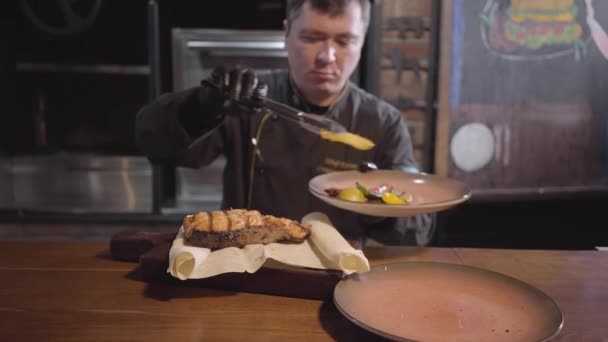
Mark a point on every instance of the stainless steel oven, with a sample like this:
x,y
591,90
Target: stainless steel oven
x,y
195,52
74,91
78,183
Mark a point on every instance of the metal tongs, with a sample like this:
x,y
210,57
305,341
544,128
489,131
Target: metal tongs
x,y
311,122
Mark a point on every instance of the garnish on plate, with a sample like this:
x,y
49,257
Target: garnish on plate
x,y
383,193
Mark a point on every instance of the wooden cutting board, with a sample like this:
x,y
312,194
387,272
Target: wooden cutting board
x,y
151,251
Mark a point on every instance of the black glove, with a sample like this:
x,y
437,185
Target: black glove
x,y
238,88
233,91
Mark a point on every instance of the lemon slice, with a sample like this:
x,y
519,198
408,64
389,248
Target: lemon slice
x,y
347,138
391,198
352,195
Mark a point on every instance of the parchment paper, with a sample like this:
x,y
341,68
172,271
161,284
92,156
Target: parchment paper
x,y
326,248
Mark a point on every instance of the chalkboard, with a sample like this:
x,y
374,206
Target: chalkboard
x,y
524,94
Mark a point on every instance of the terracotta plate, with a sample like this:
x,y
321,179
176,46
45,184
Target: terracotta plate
x,y
430,193
431,301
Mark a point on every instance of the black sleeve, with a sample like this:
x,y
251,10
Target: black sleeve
x,y
396,148
200,112
178,128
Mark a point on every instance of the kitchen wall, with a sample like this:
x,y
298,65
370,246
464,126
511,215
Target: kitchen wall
x,y
407,63
110,100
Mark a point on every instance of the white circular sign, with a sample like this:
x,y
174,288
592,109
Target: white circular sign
x,y
472,146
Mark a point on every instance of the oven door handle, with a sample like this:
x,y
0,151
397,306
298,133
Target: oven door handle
x,y
247,53
240,48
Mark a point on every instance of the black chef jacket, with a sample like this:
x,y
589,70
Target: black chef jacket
x,y
269,160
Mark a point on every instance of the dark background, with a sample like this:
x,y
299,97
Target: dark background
x,y
568,221
86,111
102,106
559,79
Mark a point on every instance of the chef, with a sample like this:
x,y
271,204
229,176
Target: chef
x,y
270,160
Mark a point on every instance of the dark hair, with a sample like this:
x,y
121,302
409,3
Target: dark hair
x,y
331,7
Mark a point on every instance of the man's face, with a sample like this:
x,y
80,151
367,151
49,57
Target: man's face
x,y
324,51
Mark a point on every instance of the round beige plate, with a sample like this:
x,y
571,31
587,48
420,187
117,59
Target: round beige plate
x,y
432,301
430,193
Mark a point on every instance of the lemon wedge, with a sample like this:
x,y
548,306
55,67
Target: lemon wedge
x,y
352,195
391,198
347,138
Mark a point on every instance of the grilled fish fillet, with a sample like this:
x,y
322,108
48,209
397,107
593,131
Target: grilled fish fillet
x,y
240,227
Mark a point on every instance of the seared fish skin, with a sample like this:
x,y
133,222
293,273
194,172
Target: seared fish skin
x,y
240,227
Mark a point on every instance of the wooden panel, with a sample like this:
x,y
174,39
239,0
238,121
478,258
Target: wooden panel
x,y
272,278
539,109
417,133
404,63
59,305
390,76
59,255
414,114
151,250
413,8
442,129
412,36
547,271
418,49
403,96
419,154
108,301
521,152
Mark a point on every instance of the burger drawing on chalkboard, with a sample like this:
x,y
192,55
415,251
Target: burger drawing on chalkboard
x,y
529,29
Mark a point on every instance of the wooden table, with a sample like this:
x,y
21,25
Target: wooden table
x,y
75,292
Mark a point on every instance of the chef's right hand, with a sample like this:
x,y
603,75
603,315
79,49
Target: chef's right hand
x,y
238,88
